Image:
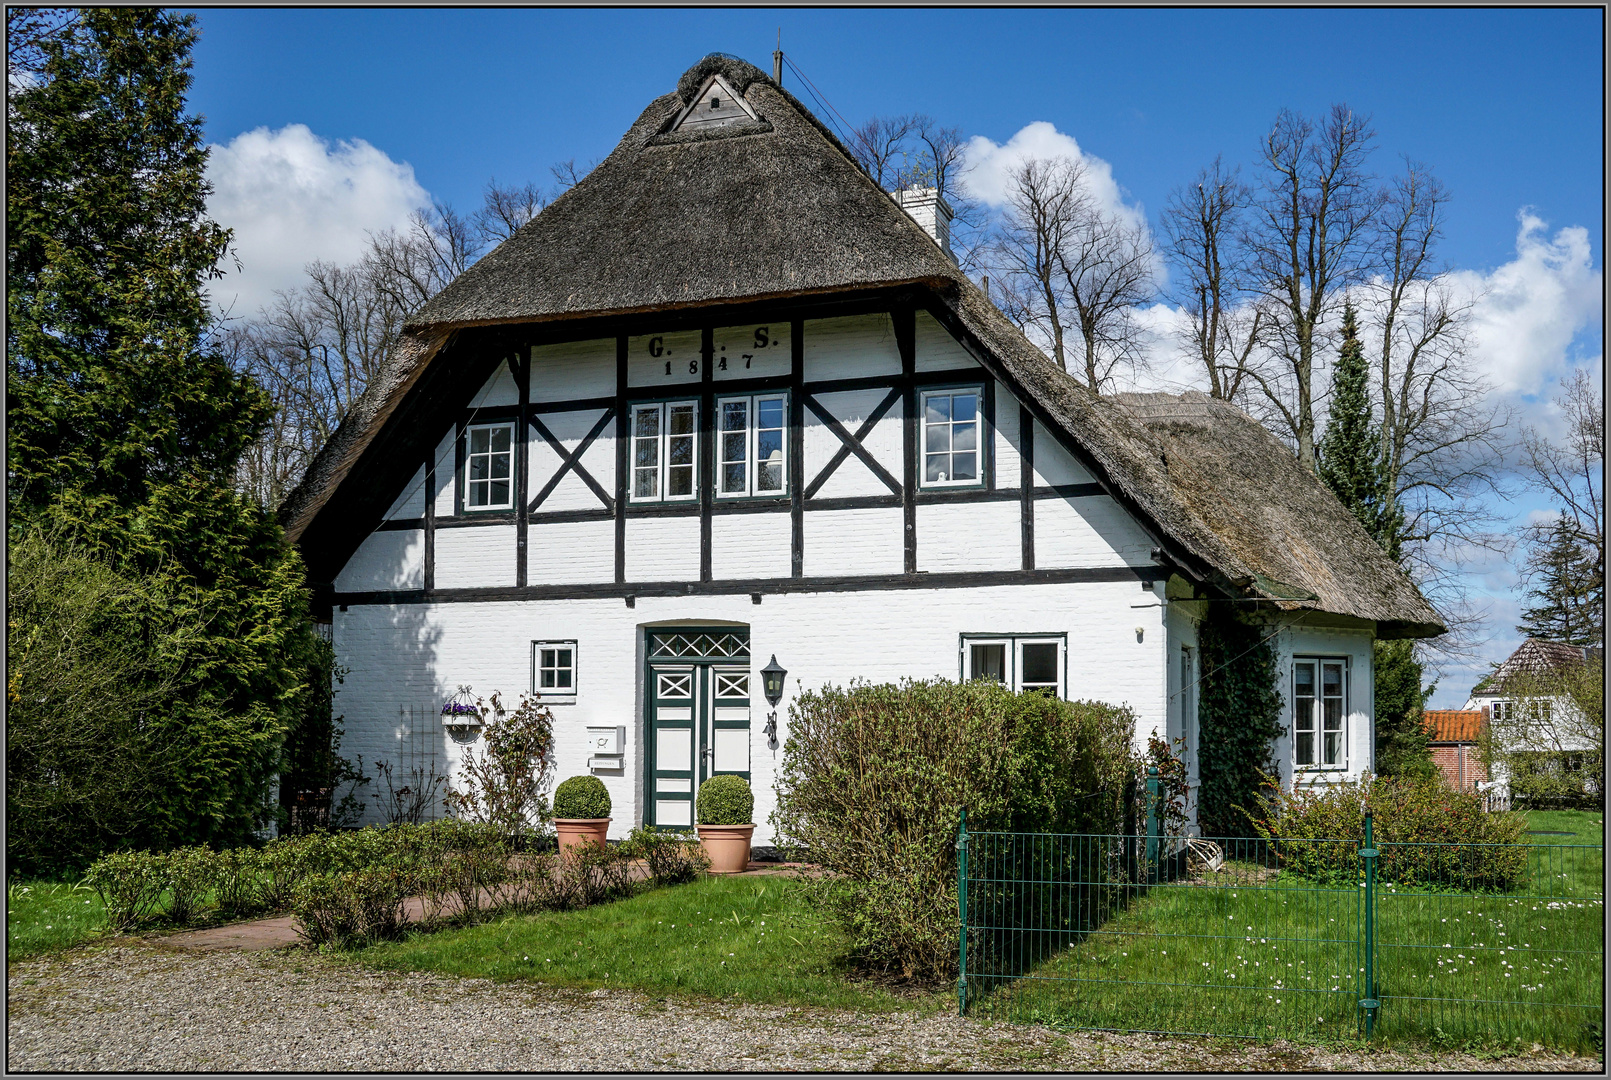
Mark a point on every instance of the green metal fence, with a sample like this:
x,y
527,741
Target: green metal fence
x,y
1286,938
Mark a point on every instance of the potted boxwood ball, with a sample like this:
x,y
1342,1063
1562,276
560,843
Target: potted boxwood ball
x,y
725,807
581,811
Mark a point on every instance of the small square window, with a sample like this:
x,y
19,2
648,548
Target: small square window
x,y
951,438
554,670
489,467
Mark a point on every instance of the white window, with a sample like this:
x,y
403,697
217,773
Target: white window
x,y
750,442
553,672
664,441
1319,713
489,467
1023,663
950,437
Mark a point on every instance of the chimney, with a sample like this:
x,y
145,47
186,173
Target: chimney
x,y
930,210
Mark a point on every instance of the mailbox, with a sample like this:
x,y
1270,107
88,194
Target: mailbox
x,y
606,740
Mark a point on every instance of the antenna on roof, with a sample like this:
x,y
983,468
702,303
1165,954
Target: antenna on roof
x,y
777,60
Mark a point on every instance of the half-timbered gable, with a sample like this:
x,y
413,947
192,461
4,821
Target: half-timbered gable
x,y
726,400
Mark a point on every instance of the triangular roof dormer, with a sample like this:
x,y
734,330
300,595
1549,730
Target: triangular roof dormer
x,y
716,105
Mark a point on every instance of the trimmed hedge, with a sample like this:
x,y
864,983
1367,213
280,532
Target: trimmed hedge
x,y
582,797
726,800
873,780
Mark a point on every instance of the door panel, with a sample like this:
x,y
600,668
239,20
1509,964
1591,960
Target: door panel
x,y
698,717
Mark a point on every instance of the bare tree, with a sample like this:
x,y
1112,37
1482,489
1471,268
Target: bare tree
x,y
505,209
881,146
316,348
567,174
1045,198
1308,239
1202,225
1106,262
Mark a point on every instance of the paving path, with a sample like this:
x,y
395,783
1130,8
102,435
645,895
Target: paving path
x,y
143,1005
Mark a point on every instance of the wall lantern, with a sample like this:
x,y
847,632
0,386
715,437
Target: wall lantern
x,y
772,681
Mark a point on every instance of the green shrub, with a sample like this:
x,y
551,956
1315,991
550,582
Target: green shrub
x,y
352,909
726,800
671,859
189,873
581,797
237,881
873,779
1430,835
130,884
591,873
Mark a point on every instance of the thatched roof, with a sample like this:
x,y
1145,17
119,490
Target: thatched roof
x,y
777,208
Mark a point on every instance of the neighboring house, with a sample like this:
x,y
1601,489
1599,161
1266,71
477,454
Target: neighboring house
x,y
1552,729
1453,735
727,400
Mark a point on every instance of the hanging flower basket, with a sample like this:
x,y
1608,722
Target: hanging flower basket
x,y
461,710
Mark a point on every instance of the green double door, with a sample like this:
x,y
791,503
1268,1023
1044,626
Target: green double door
x,y
698,697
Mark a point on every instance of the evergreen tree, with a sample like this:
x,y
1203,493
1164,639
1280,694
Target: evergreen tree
x,y
110,388
124,435
1350,450
1350,465
1567,589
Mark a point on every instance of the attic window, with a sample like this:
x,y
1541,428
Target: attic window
x,y
715,102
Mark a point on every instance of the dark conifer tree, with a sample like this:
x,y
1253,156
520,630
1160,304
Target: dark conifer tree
x,y
1350,453
125,431
1567,590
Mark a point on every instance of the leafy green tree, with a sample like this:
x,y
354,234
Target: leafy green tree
x,y
124,434
1403,745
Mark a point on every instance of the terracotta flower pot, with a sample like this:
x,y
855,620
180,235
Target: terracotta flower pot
x,y
573,831
728,847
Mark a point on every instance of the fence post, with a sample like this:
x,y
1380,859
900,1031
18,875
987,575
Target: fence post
x,y
1367,855
962,913
1152,824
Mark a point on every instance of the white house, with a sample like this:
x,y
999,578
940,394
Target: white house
x,y
726,400
1521,720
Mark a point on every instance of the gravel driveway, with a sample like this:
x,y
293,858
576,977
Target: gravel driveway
x,y
144,1005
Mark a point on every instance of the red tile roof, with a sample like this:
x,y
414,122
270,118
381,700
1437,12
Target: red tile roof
x,y
1453,725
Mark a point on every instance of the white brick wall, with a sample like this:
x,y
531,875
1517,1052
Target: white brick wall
x,y
406,660
1053,463
577,369
965,537
863,541
473,557
734,343
410,502
662,549
386,560
569,552
1008,464
850,348
936,349
751,545
1089,530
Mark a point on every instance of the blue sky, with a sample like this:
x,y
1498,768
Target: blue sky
x,y
400,105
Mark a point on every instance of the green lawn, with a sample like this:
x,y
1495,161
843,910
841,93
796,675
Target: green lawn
x,y
754,939
1277,958
44,916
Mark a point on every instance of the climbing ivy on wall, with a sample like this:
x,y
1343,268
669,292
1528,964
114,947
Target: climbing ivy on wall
x,y
1238,716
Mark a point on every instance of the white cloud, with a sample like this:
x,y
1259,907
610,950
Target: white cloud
x,y
989,166
1529,311
291,198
